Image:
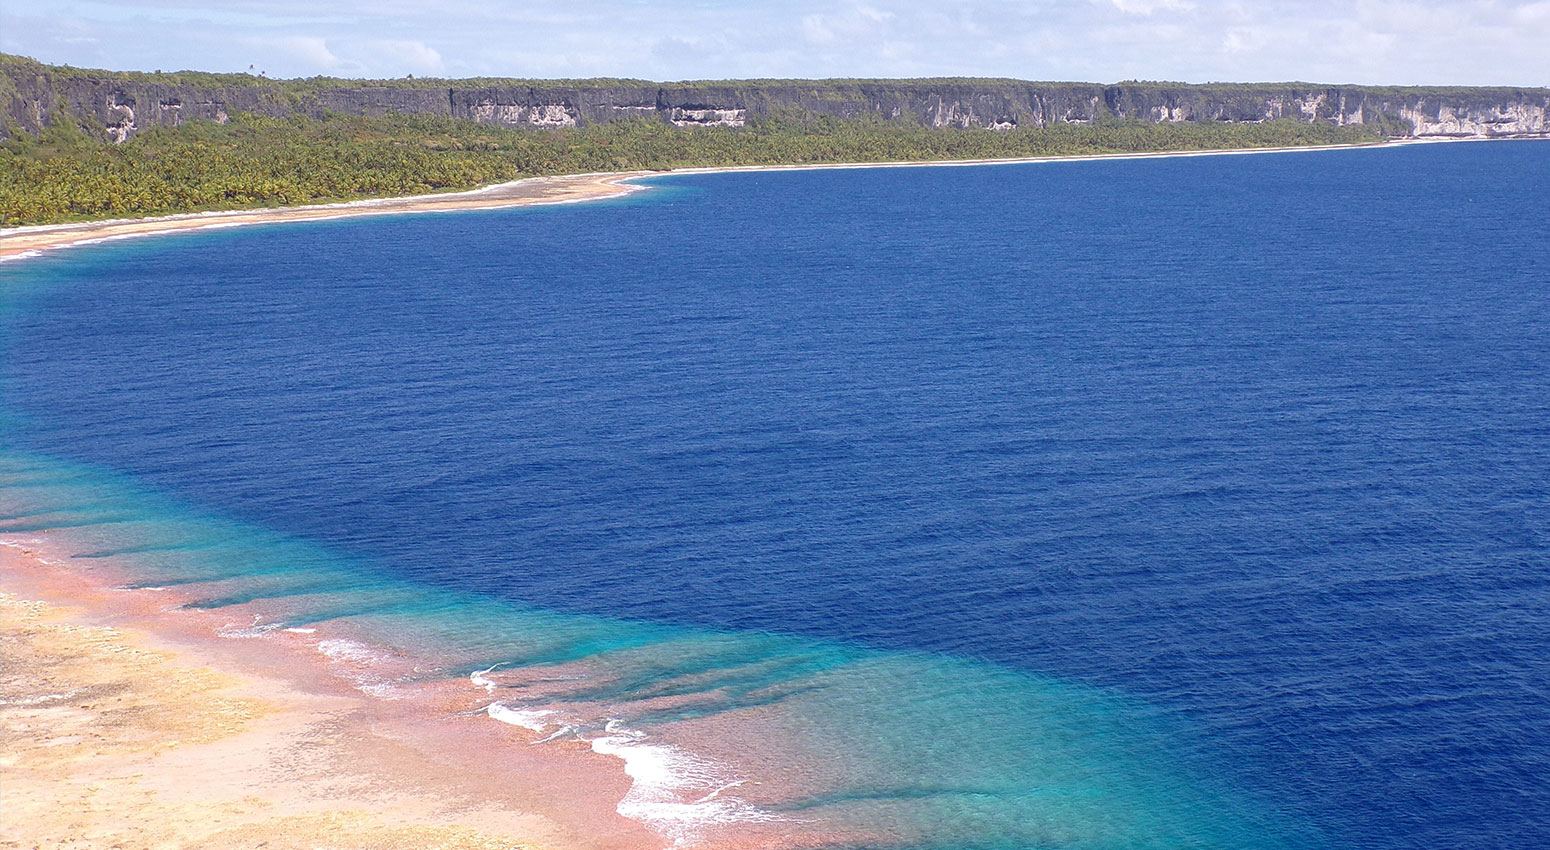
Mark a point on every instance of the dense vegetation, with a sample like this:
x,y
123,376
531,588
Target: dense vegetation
x,y
14,66
68,174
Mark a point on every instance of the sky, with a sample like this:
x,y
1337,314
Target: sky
x,y
1401,42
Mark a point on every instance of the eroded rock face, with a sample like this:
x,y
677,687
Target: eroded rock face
x,y
121,116
708,116
124,104
1445,119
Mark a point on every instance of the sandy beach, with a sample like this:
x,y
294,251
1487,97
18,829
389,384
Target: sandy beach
x,y
19,242
26,241
126,722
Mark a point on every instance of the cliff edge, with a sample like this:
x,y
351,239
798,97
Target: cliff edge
x,y
119,104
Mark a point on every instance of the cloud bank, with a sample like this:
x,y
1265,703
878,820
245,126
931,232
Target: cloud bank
x,y
1474,42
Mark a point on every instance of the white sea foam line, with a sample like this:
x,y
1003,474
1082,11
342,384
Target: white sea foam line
x,y
662,776
254,630
557,734
482,679
349,653
674,792
23,544
528,718
31,546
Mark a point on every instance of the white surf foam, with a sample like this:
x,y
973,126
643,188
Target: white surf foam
x,y
528,718
342,649
254,630
357,661
562,732
674,792
29,547
482,679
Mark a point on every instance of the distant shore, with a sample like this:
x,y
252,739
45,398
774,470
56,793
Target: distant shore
x,y
20,242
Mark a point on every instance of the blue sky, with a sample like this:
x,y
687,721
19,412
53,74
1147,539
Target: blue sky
x,y
1480,42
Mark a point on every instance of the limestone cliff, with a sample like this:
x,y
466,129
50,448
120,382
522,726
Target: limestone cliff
x,y
34,95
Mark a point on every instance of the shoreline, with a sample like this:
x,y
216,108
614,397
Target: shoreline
x,y
276,697
26,241
19,243
221,728
131,721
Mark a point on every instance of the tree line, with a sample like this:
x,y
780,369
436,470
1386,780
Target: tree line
x,y
69,174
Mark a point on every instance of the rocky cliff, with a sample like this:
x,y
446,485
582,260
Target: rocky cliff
x,y
34,95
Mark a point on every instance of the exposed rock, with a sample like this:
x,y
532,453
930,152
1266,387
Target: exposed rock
x,y
123,104
120,116
1447,119
708,116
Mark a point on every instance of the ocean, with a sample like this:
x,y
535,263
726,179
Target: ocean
x,y
1167,503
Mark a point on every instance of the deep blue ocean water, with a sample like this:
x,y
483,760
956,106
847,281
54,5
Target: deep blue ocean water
x,y
1165,503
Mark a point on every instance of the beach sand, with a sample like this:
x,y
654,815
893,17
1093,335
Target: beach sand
x,y
25,241
28,241
125,723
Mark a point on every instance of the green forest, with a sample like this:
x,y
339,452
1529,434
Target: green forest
x,y
68,174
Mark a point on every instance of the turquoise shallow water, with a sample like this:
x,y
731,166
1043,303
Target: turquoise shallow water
x,y
1169,503
902,749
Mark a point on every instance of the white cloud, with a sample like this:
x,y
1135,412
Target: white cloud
x,y
306,48
417,56
1245,39
1532,13
817,29
1148,7
1373,41
858,22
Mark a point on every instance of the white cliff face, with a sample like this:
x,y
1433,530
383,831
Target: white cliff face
x,y
1348,116
170,112
682,117
124,107
962,116
1513,120
952,115
488,111
1075,116
551,115
121,119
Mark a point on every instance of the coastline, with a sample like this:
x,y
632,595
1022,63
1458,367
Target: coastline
x,y
131,721
27,241
31,240
438,799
